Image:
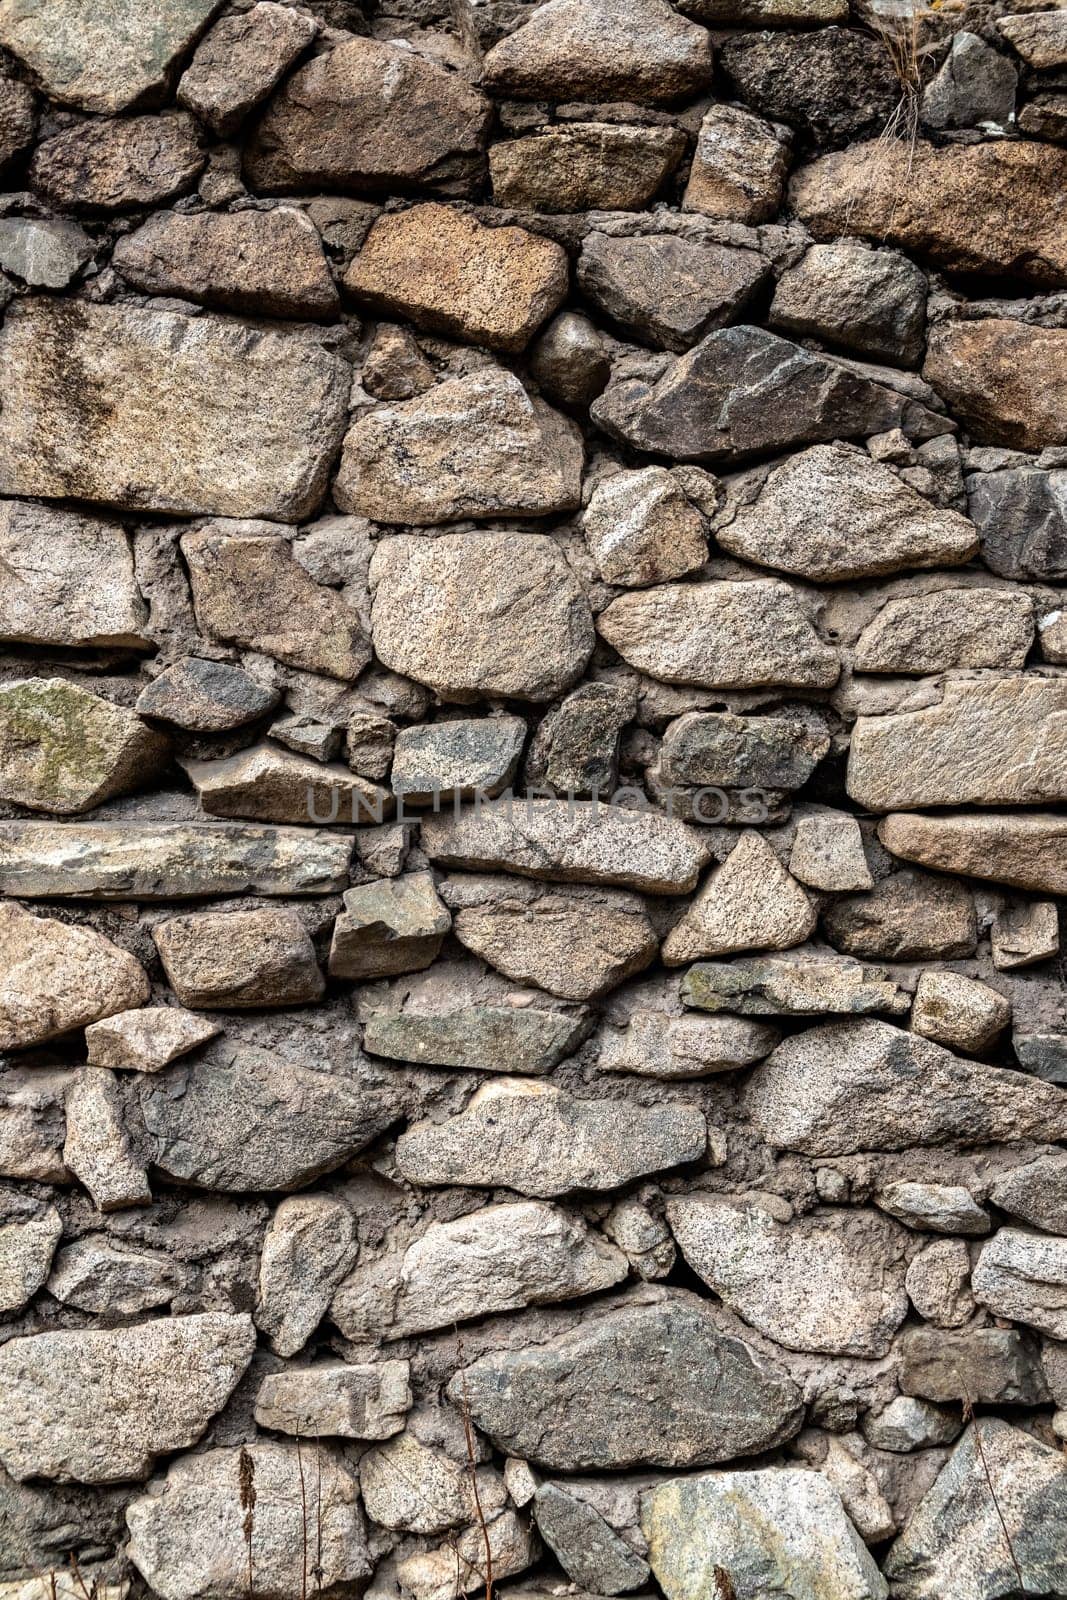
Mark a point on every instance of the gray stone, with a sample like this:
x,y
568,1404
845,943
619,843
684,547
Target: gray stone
x,y
958,1011
266,784
907,1424
768,13
870,301
852,1086
658,1046
590,166
643,1238
241,60
739,166
190,414
457,1567
666,290
749,903
982,1366
950,628
69,580
55,978
225,960
1021,517
474,446
1038,37
527,1135
798,987
206,696
575,750
641,528
45,255
569,361
65,750
1028,850
389,926
97,1407
974,84
909,916
828,853
94,1275
103,166
147,1039
1023,1277
1025,934
1042,1053
332,1399
18,117
308,1249
588,1549
33,1123
477,1037
369,741
26,1250
650,1380
412,1486
938,1283
933,1207
98,1149
456,760
1036,1192
728,751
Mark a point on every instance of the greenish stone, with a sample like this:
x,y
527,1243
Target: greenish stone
x,y
483,1038
65,750
770,988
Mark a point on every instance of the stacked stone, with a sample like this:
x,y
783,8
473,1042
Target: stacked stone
x,y
533,743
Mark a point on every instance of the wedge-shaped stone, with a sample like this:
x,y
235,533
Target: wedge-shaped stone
x,y
828,852
68,580
456,1032
642,528
1036,1191
475,446
147,1039
98,1407
189,414
791,988
498,1259
445,271
363,1401
990,741
715,747
523,1134
307,1250
1003,379
656,1045
26,1250
1023,1277
588,166
223,959
952,628
64,749
854,1086
104,165
96,1276
831,1282
389,926
602,50
832,513
267,784
55,978
668,291
1028,850
453,760
161,861
584,1543
206,696
240,61
368,117
720,635
749,903
570,843
98,1148
650,1381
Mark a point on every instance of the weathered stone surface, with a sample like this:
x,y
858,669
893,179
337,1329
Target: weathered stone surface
x,y
1004,380
870,301
412,1486
308,1249
499,1259
219,959
97,1407
249,589
1021,517
832,513
453,760
367,1401
933,1207
830,84
791,988
148,1039
1024,934
1042,1052
1028,850
189,414
99,167
986,208
575,750
1036,1192
206,696
831,1283
992,1525
749,903
781,1531
739,166
44,254
720,635
866,1085
601,50
1023,1277
1040,37
568,842
481,1037
475,446
98,1149
974,84
32,1122
958,1011
985,1366
909,916
649,1381
18,117
240,61
907,1424
389,926
938,1284
989,741
591,166
457,1567
529,1136
642,528
187,1538
828,853
26,1250
264,263
367,117
658,1046
94,1275
69,580
768,13
55,978
271,785
588,1549
665,290
951,628
177,861
445,271
64,749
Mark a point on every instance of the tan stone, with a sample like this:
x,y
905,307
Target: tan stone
x,y
68,580
98,1149
590,166
641,528
1024,934
1006,381
1040,37
267,784
749,903
958,1011
105,165
1027,849
951,628
240,61
148,1039
65,750
828,853
739,166
55,978
222,959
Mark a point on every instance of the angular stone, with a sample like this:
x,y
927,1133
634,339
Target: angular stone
x,y
55,978
650,1381
97,1407
189,414
720,636
389,926
98,1149
394,367
865,1085
575,750
566,842
45,255
665,290
1004,380
263,263
457,1567
527,1135
588,1549
474,446
991,1526
1025,934
974,84
791,988
828,853
909,916
658,1046
782,1531
952,628
206,696
271,785
832,513
33,1122
1028,850
26,1250
768,13
369,740
102,166
938,1283
989,741
739,166
602,50
749,903
480,1038
643,1237
588,166
984,1366
830,1283
241,60
224,960
369,117
414,1487
1039,37
718,748
332,1399
642,528
870,301
1045,117
1036,1192
958,1011
187,1536
1021,517
65,750
308,1249
1043,1053
907,1424
986,208
105,60
934,1207
498,1259
1023,1277
69,580
18,117
456,760
830,84
449,273
249,589
147,1039
96,1276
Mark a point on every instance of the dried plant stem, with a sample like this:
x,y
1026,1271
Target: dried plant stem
x,y
246,1473
968,1412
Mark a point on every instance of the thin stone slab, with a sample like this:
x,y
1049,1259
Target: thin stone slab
x,y
479,1038
1026,849
655,1045
791,988
267,784
148,1039
106,165
950,628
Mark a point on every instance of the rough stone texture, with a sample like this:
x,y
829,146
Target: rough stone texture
x,y
989,1366
870,301
1023,1276
958,1012
1025,934
18,117
98,1149
240,60
739,166
1027,849
1039,39
749,903
909,916
389,926
55,978
272,785
828,853
591,166
65,750
1021,517
69,580
331,1399
1004,380
26,1250
308,1249
103,167
974,84
933,1207
962,628
413,1486
587,1548
791,988
219,960
658,1046
642,528
456,760
205,696
667,291
829,84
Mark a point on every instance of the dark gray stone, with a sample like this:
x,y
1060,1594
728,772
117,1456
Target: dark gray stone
x,y
1021,517
206,696
668,291
985,1366
831,85
974,84
909,916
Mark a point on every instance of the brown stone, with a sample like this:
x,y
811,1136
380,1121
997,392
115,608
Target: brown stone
x,y
739,166
1028,849
1006,381
592,166
219,959
118,165
54,978
240,61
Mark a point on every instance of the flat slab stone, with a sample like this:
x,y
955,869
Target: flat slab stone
x,y
190,414
65,750
950,628
268,784
147,1039
480,1038
68,580
791,988
1026,849
55,978
656,1045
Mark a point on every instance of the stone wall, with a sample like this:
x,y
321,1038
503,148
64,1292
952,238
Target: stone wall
x,y
532,719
